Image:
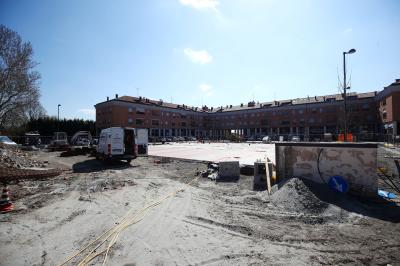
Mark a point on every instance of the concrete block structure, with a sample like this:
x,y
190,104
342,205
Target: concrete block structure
x,y
354,162
228,170
370,115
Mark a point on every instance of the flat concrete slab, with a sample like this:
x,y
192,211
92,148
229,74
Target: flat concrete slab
x,y
245,153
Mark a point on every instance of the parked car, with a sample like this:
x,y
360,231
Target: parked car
x,y
266,139
296,138
7,141
251,138
83,142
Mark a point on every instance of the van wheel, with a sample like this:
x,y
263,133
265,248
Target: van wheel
x,y
129,161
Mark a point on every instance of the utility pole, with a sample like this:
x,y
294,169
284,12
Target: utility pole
x,y
351,51
58,117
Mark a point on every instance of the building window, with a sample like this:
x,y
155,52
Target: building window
x,y
384,102
140,111
183,124
155,122
384,115
139,121
129,120
130,109
301,112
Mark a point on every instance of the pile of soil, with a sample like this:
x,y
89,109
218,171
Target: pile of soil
x,y
12,157
298,196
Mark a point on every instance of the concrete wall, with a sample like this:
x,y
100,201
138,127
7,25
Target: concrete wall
x,y
356,163
229,170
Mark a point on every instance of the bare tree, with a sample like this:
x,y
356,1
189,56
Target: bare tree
x,y
19,88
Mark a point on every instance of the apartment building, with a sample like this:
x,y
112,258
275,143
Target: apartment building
x,y
369,115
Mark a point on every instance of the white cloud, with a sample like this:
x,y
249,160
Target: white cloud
x,y
206,89
87,111
201,4
200,57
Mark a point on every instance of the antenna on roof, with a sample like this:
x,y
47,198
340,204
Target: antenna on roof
x,y
137,92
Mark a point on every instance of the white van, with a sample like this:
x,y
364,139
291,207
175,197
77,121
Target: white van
x,y
117,143
142,140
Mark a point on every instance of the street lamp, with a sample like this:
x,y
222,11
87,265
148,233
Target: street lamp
x,y
58,117
351,51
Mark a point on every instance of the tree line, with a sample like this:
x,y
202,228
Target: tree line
x,y
46,126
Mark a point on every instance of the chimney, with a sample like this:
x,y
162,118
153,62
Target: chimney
x,y
108,98
116,96
397,80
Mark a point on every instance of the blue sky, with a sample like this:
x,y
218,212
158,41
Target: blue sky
x,y
213,52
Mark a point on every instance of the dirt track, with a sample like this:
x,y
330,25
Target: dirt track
x,y
207,224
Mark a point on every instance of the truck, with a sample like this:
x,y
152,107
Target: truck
x,y
117,143
59,141
81,138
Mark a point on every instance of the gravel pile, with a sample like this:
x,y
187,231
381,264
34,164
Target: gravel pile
x,y
297,196
12,157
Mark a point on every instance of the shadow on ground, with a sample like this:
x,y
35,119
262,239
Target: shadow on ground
x,y
378,207
93,165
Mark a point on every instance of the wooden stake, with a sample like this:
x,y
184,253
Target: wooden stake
x,y
268,175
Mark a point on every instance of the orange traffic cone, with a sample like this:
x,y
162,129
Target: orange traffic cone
x,y
5,203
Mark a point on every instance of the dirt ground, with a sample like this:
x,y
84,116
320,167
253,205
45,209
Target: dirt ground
x,y
209,223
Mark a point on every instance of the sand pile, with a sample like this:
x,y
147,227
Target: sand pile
x,y
12,157
298,196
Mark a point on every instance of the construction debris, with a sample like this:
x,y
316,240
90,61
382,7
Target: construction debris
x,y
16,164
12,157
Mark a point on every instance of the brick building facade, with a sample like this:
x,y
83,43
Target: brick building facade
x,y
369,115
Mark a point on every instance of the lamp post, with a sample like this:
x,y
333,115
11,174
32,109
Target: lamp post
x,y
58,117
351,51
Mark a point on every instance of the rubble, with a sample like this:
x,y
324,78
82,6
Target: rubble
x,y
12,157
